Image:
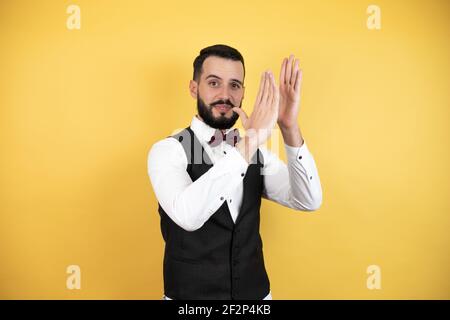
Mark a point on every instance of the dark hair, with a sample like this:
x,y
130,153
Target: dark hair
x,y
218,50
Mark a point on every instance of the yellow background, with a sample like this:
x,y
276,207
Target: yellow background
x,y
79,110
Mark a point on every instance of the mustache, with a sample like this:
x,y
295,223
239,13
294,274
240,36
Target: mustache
x,y
226,102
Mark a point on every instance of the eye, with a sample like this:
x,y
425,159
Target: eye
x,y
213,83
235,85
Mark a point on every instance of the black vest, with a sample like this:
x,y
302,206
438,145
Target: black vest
x,y
222,259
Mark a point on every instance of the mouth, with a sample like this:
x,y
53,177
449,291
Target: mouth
x,y
222,107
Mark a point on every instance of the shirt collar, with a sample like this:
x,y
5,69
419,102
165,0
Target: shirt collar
x,y
203,131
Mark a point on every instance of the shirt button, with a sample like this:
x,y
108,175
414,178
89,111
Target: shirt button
x,y
221,198
225,152
242,174
300,157
310,178
231,200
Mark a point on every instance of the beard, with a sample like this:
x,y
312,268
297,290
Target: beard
x,y
220,122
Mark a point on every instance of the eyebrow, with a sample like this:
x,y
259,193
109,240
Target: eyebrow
x,y
214,76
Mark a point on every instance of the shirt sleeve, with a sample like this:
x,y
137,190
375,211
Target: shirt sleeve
x,y
190,204
296,184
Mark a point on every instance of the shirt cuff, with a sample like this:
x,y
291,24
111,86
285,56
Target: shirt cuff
x,y
238,161
296,153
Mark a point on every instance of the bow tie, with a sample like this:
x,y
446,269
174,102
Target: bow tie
x,y
232,137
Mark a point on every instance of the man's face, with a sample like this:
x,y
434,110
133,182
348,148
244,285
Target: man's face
x,y
220,88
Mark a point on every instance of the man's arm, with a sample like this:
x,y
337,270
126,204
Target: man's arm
x,y
190,204
295,185
292,136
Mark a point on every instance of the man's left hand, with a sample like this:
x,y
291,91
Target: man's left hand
x,y
290,84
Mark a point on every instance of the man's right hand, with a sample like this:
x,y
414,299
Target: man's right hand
x,y
258,127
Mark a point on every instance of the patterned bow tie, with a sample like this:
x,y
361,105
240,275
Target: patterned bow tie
x,y
232,137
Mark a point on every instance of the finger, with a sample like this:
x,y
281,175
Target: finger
x,y
277,100
241,113
298,80
289,70
294,73
271,85
260,91
286,70
266,89
276,97
282,72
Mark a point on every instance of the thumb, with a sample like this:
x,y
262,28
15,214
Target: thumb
x,y
241,113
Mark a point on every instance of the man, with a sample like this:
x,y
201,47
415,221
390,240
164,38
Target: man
x,y
209,181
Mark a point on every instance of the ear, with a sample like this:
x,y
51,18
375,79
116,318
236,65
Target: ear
x,y
193,88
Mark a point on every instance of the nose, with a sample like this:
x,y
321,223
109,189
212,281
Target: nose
x,y
224,94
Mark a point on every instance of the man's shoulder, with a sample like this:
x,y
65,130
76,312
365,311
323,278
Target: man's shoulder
x,y
174,143
167,142
173,137
166,146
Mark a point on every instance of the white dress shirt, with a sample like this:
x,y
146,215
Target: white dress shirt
x,y
190,204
